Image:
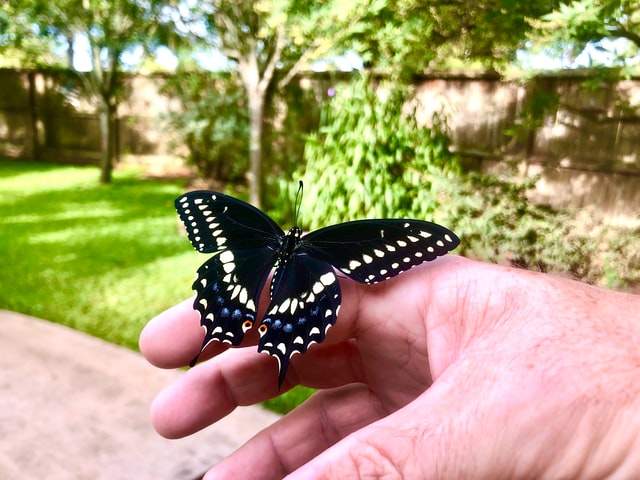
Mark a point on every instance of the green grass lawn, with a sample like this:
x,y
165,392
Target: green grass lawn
x,y
102,259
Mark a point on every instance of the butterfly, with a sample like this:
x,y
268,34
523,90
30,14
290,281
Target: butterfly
x,y
247,246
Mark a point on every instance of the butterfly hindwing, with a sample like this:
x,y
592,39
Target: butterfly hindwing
x,y
369,251
245,243
227,290
305,303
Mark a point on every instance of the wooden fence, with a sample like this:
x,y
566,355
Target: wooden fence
x,y
580,135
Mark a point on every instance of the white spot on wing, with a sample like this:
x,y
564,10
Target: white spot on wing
x,y
284,306
294,306
243,296
236,291
328,278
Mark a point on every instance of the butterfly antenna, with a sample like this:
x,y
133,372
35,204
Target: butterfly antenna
x,y
296,211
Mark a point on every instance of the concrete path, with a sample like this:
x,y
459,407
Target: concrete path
x,y
75,407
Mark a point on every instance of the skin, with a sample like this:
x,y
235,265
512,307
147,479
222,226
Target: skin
x,y
454,369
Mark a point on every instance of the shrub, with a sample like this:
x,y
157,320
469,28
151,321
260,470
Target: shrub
x,y
212,123
370,158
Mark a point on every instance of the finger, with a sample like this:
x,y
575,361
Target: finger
x,y
211,390
173,338
324,419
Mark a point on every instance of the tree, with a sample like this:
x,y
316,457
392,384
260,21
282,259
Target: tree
x,y
23,44
269,42
408,37
570,28
111,28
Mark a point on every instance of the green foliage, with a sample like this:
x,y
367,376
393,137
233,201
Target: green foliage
x,y
290,114
540,100
570,28
622,258
212,123
289,400
371,160
21,44
409,36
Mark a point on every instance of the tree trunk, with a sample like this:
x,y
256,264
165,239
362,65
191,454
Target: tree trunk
x,y
107,140
254,176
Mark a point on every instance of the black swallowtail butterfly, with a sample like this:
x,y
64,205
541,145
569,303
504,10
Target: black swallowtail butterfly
x,y
305,293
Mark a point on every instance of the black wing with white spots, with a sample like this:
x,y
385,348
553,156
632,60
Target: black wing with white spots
x,y
369,251
245,244
305,303
304,292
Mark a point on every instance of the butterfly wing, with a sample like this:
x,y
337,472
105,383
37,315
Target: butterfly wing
x,y
369,251
245,243
305,300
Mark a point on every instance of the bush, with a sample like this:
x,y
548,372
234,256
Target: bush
x,y
212,124
370,158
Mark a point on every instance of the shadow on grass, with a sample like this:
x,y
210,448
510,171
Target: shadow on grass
x,y
10,167
102,259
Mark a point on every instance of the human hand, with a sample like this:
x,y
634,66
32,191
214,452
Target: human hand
x,y
454,369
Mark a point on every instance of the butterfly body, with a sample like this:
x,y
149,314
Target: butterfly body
x,y
304,292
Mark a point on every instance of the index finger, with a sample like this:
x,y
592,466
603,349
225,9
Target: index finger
x,y
173,338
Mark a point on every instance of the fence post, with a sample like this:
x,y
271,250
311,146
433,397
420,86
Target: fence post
x,y
31,138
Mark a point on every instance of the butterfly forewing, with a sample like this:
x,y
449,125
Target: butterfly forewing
x,y
215,222
305,303
369,251
245,243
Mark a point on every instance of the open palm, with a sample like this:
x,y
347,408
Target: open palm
x,y
453,369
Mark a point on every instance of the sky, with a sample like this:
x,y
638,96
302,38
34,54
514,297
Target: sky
x,y
215,61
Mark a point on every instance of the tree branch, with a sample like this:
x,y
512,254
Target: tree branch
x,y
313,49
621,32
275,57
